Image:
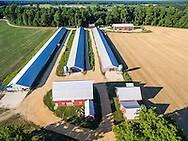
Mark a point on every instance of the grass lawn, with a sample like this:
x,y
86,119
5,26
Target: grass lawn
x,y
65,56
17,47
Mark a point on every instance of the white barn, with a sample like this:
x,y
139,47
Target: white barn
x,y
72,93
128,98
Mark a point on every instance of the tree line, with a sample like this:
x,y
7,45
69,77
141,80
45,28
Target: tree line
x,y
158,15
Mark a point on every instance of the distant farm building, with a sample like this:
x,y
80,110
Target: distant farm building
x,y
25,79
76,61
74,93
128,99
106,55
123,27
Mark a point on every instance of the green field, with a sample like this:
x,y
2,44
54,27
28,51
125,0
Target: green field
x,y
17,46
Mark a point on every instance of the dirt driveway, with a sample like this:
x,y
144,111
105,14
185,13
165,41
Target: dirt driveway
x,y
159,59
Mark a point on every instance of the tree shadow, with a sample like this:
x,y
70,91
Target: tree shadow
x,y
133,69
181,118
46,135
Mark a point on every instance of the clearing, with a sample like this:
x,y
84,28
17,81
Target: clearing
x,y
18,45
160,60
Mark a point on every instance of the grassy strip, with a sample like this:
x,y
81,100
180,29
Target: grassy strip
x,y
126,76
65,56
118,116
91,54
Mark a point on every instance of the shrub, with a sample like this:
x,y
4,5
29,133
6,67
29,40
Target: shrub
x,y
126,76
148,126
48,100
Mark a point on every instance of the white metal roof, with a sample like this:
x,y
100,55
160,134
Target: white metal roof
x,y
130,104
104,56
26,67
122,25
128,93
72,90
131,108
89,108
72,55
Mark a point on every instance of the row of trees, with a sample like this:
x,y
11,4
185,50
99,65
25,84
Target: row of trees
x,y
73,16
148,127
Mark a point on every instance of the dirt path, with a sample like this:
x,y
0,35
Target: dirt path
x,y
17,26
33,108
6,115
160,60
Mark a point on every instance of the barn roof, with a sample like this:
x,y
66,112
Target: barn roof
x,y
72,90
107,57
128,93
31,70
76,57
131,108
122,25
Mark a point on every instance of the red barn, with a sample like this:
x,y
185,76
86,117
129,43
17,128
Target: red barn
x,y
72,93
123,27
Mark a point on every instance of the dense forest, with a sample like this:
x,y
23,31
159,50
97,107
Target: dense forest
x,y
158,15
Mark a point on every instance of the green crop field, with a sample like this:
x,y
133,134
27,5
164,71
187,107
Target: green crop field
x,y
17,46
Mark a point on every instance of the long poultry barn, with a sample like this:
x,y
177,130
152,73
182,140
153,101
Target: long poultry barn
x,y
106,55
26,78
76,61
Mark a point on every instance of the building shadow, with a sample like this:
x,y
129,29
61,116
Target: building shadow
x,y
160,107
149,92
116,53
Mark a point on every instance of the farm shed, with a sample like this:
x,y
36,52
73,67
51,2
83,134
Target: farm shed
x,y
77,55
123,26
107,57
72,93
28,75
128,99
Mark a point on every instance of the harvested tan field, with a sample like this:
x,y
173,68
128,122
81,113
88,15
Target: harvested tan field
x,y
159,59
